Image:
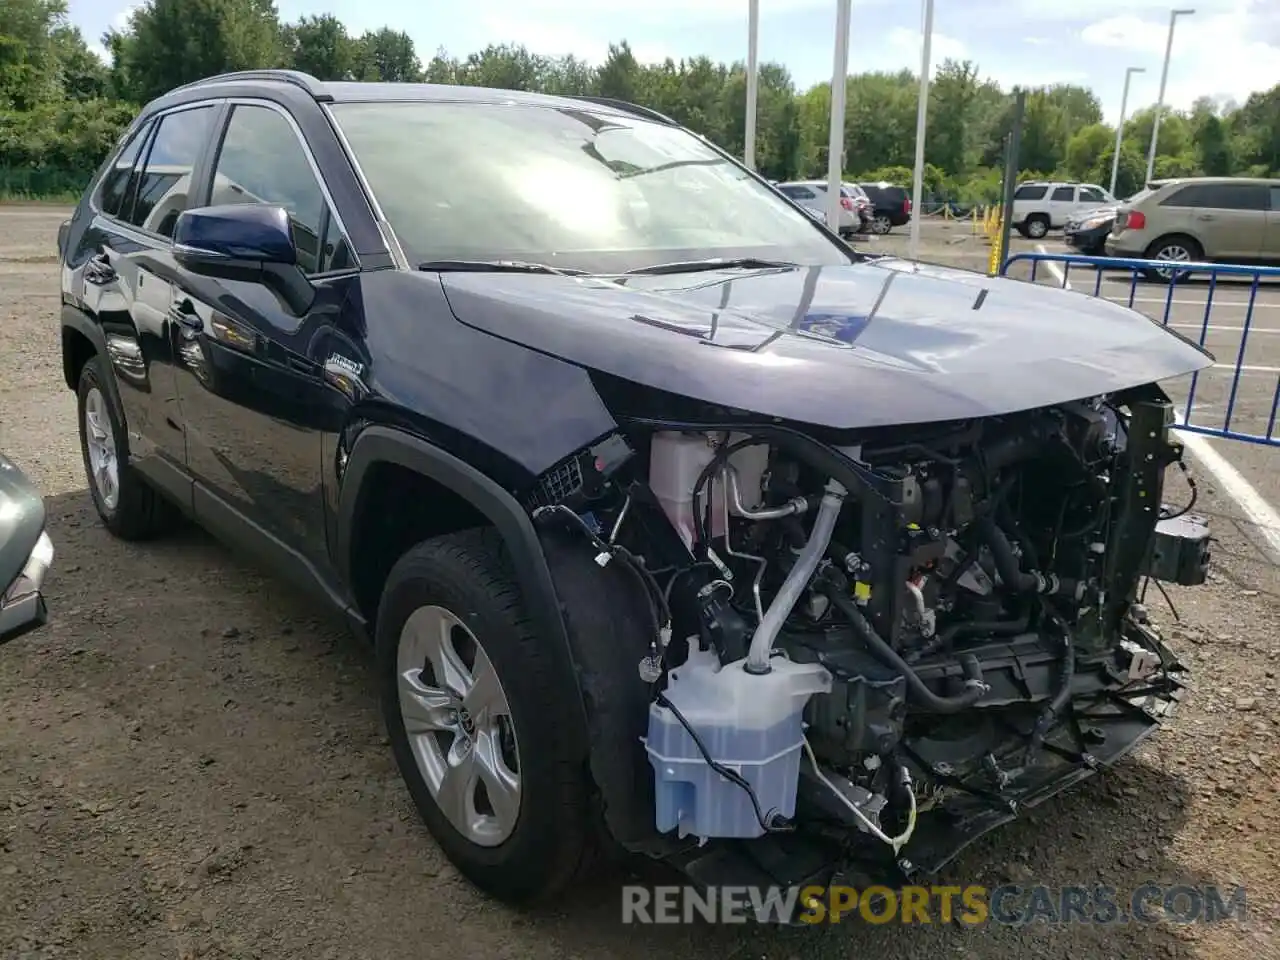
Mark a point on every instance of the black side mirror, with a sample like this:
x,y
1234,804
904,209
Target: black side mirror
x,y
244,241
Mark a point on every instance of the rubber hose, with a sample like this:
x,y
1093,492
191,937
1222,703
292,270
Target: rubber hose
x,y
1006,561
889,656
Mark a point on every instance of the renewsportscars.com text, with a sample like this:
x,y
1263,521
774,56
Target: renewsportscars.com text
x,y
970,905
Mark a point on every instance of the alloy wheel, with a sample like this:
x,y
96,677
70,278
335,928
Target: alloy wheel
x,y
881,224
100,439
459,725
1176,253
1036,229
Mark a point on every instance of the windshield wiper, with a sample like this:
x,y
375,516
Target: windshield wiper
x,y
497,266
693,266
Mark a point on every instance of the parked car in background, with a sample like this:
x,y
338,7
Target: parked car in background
x,y
1043,205
866,209
1216,219
812,195
26,553
891,203
1087,231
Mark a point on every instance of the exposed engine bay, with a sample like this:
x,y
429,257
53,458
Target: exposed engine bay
x,y
871,649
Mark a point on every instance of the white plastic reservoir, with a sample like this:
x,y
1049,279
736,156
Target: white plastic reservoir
x,y
751,724
676,461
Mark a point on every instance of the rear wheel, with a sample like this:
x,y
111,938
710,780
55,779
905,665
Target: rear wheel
x,y
881,224
476,710
129,507
1172,249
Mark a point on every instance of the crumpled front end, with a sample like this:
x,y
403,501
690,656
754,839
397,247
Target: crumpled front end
x,y
861,650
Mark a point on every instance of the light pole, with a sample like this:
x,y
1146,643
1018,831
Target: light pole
x,y
1164,77
839,81
922,110
753,80
1124,102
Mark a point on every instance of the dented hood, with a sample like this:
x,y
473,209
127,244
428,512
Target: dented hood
x,y
861,345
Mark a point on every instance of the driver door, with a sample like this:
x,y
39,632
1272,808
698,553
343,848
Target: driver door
x,y
251,377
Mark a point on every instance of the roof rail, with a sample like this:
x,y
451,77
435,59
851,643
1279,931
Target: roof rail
x,y
299,79
627,107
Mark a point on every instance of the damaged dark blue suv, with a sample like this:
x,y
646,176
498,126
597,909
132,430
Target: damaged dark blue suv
x,y
680,528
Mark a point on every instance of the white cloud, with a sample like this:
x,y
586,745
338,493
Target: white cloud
x,y
1049,11
905,46
1220,52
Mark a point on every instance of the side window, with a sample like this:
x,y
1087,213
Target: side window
x,y
1192,195
116,182
1031,192
1092,194
1275,199
160,193
1063,194
1240,196
263,161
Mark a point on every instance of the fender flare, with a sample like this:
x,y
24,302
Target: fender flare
x,y
76,319
380,444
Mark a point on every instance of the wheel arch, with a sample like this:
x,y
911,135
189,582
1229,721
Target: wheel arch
x,y
377,446
1176,235
83,339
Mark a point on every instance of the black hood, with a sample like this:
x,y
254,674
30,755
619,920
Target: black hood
x,y
864,345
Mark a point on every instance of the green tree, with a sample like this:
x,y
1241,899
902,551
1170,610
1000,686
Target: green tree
x,y
321,47
29,66
387,55
171,42
1085,147
1212,148
620,75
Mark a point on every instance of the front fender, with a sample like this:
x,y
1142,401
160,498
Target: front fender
x,y
381,444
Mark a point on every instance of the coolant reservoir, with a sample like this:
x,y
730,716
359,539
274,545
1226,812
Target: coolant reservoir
x,y
751,724
676,461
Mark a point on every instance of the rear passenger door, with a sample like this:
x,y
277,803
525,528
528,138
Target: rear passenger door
x,y
123,275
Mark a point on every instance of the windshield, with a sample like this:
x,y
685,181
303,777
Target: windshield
x,y
565,186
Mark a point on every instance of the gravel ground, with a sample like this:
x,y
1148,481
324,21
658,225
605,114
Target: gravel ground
x,y
192,764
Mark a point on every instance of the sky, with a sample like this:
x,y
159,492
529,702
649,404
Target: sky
x,y
1226,50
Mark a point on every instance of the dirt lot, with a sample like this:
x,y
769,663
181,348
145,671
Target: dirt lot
x,y
191,764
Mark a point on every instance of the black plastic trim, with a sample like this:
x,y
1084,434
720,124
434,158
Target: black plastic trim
x,y
379,444
237,530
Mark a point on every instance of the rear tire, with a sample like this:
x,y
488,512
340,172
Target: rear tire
x,y
881,224
1174,248
129,507
520,828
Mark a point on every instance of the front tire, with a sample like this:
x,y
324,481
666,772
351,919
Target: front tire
x,y
1036,227
129,507
476,708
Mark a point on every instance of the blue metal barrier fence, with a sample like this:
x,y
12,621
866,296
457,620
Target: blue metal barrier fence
x,y
1259,279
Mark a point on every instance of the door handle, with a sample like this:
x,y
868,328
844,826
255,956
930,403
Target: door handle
x,y
98,270
1205,216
